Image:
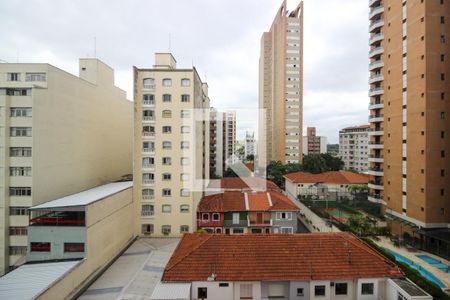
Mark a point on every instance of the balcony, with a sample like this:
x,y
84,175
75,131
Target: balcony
x,y
376,38
376,118
148,103
230,223
376,185
147,214
376,105
148,197
376,91
148,134
372,2
376,131
376,145
148,119
376,172
376,24
377,10
376,78
148,182
376,158
149,167
260,222
148,87
376,51
377,64
375,198
148,150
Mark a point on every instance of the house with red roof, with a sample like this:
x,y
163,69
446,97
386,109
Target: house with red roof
x,y
282,266
331,185
235,212
240,184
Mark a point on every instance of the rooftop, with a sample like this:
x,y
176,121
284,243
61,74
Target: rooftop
x,y
310,256
86,197
339,177
30,281
237,183
356,127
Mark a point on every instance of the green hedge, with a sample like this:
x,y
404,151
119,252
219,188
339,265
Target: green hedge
x,y
428,286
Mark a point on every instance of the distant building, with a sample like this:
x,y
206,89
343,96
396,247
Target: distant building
x,y
234,212
60,134
333,149
282,266
313,144
222,140
250,144
353,148
241,184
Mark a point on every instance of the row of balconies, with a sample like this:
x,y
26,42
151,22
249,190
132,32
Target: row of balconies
x,y
376,11
376,118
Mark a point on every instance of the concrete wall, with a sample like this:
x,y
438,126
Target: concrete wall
x,y
215,291
278,223
109,230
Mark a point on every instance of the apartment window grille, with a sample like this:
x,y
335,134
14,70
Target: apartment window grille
x,y
167,113
20,131
166,176
167,192
18,211
18,230
184,208
147,210
13,76
20,112
19,171
166,229
148,99
20,191
185,82
167,82
167,129
36,77
17,250
167,161
148,194
185,98
73,247
40,247
184,229
148,83
20,151
147,228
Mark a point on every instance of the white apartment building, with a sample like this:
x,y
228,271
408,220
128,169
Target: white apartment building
x,y
222,140
353,148
171,153
250,144
59,134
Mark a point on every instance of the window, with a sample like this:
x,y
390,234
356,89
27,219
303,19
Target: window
x,y
235,218
13,76
442,20
148,194
184,192
167,145
20,191
185,129
319,290
167,161
185,98
184,145
167,82
20,151
367,289
17,250
35,77
216,217
73,247
184,208
148,99
19,171
185,82
15,92
147,228
40,247
285,216
401,297
20,131
185,113
167,129
166,176
184,228
185,161
246,291
287,230
20,112
147,210
340,288
18,211
167,113
202,293
148,83
166,229
167,192
299,291
238,230
166,208
148,162
167,98
17,230
184,177
224,284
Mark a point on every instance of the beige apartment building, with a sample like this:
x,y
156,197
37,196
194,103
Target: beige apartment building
x,y
313,143
171,152
409,112
281,87
353,148
59,134
222,141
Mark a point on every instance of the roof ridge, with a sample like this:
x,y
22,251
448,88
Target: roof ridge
x,y
189,252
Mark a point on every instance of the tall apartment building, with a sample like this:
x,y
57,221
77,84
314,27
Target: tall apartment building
x,y
222,140
171,152
59,134
409,111
314,144
353,148
281,87
250,144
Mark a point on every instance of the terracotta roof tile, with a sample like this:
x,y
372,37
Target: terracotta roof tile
x,y
339,177
356,127
238,183
258,201
313,256
282,203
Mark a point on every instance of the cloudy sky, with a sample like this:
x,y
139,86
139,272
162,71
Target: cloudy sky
x,y
220,37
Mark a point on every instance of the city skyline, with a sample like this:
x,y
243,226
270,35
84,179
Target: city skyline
x,y
222,56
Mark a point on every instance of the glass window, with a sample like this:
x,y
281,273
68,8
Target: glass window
x,y
184,229
184,192
185,129
246,291
19,171
18,211
167,161
286,230
166,129
166,229
185,98
35,77
167,98
184,177
147,210
184,145
205,217
185,82
40,247
202,293
17,250
20,112
235,218
319,290
166,176
167,82
166,192
184,208
148,83
299,291
367,289
20,151
167,113
185,113
13,76
166,208
340,288
216,217
185,161
147,228
18,230
73,247
20,191
20,131
167,145
238,230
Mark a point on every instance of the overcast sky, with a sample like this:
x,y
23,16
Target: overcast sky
x,y
220,37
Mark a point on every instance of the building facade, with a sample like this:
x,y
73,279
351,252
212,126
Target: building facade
x,y
171,157
354,148
250,144
57,138
409,111
222,137
314,144
281,87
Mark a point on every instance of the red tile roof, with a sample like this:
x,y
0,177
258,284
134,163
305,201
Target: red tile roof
x,y
308,256
339,177
235,201
236,183
250,166
356,127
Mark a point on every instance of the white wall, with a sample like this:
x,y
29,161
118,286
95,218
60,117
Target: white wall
x,y
214,290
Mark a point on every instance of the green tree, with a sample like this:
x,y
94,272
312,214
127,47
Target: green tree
x,y
250,158
314,163
332,163
229,173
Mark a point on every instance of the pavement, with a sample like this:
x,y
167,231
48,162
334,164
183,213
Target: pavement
x,y
135,273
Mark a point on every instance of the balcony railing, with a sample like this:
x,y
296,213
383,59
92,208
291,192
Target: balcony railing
x,y
148,118
148,87
376,65
376,24
148,150
148,197
147,213
146,133
376,51
148,181
376,11
376,91
376,38
148,166
376,78
376,118
148,102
